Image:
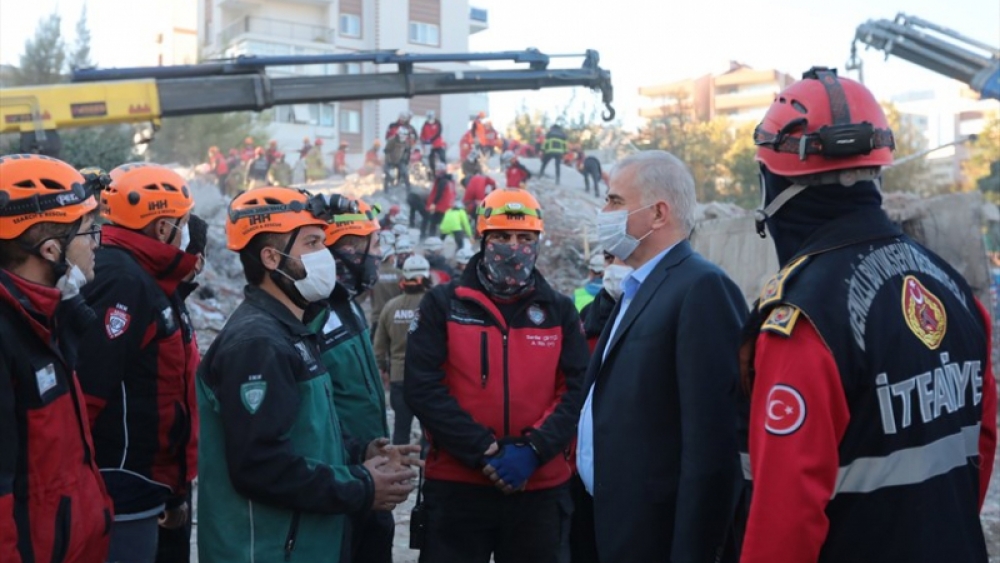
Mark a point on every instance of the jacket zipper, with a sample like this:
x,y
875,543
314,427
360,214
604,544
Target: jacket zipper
x,y
61,538
506,390
293,532
484,358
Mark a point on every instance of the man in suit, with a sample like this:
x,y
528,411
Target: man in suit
x,y
657,435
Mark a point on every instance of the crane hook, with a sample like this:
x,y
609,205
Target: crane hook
x,y
609,114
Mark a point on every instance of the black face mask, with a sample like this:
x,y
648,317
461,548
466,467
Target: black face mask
x,y
813,207
356,271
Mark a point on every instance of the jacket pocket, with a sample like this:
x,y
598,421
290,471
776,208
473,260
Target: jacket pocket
x,y
60,540
484,357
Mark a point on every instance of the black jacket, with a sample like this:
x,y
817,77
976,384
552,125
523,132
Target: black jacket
x,y
666,463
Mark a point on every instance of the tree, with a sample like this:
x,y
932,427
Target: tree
x,y
742,170
526,123
910,176
699,144
80,58
44,55
186,140
979,168
106,147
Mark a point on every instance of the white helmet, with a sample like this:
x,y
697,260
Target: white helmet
x,y
463,255
403,115
387,241
400,230
433,244
416,266
431,114
597,262
404,245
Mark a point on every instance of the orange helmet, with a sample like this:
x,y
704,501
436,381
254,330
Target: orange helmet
x,y
823,123
269,210
509,209
248,141
140,193
319,142
39,189
362,223
481,114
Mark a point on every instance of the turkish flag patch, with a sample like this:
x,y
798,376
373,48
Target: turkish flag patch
x,y
116,321
786,410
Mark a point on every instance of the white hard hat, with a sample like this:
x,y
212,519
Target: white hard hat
x,y
463,255
403,115
430,114
387,241
400,230
404,245
597,262
416,266
434,244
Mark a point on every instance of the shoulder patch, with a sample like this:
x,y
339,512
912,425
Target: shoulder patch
x,y
774,289
252,394
116,321
781,320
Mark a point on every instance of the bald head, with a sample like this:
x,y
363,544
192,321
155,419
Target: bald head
x,y
660,176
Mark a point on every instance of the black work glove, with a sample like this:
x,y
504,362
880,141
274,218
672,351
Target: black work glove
x,y
198,229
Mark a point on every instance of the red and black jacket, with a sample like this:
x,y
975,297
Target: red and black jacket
x,y
478,372
431,133
516,175
53,506
137,368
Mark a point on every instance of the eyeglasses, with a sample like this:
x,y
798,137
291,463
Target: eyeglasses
x,y
94,234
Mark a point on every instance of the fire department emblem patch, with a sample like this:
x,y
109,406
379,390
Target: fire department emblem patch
x,y
924,313
536,314
786,410
116,321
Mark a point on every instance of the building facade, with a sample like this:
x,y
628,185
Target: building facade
x,y
229,28
741,94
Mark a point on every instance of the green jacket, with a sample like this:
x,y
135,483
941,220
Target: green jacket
x,y
276,484
455,220
280,174
346,348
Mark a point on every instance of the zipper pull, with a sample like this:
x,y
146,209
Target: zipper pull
x,y
289,546
484,379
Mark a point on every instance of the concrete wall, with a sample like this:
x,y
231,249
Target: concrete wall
x,y
950,225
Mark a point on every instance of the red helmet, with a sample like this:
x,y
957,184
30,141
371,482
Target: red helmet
x,y
823,123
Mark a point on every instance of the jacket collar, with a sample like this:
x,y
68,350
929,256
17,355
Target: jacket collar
x,y
35,303
267,303
864,225
166,264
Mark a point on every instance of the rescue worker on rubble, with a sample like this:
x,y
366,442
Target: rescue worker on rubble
x,y
590,167
432,135
390,339
462,257
399,139
477,130
340,159
272,152
517,174
255,171
583,296
315,170
279,477
554,149
439,201
872,424
280,173
404,249
441,272
494,368
456,223
346,351
53,504
247,151
477,187
389,276
137,365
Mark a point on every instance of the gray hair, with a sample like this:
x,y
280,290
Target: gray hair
x,y
660,175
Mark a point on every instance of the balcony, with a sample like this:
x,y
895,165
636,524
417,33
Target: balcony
x,y
478,20
276,29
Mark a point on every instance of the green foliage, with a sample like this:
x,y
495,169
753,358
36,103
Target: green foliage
x,y
742,170
982,169
910,176
107,147
44,55
186,140
80,57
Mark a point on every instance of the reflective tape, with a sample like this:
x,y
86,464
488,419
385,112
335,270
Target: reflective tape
x,y
903,467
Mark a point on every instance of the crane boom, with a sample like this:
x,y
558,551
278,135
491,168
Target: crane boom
x,y
944,51
147,94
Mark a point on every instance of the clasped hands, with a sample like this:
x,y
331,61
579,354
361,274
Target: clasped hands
x,y
391,469
510,465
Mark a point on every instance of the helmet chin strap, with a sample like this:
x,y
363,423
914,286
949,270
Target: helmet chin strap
x,y
762,215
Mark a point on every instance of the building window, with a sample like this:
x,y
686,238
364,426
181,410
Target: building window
x,y
326,115
350,25
424,34
350,121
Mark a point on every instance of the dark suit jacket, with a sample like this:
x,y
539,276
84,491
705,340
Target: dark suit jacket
x,y
666,465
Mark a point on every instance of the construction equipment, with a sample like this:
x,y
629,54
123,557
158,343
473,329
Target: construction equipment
x,y
147,94
933,47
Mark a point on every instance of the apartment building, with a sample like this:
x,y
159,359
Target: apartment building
x,y
741,94
945,115
228,28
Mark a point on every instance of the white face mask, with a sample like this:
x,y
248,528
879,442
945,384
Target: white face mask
x,y
321,276
612,232
71,282
613,276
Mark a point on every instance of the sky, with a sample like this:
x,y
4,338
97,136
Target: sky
x,y
642,42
